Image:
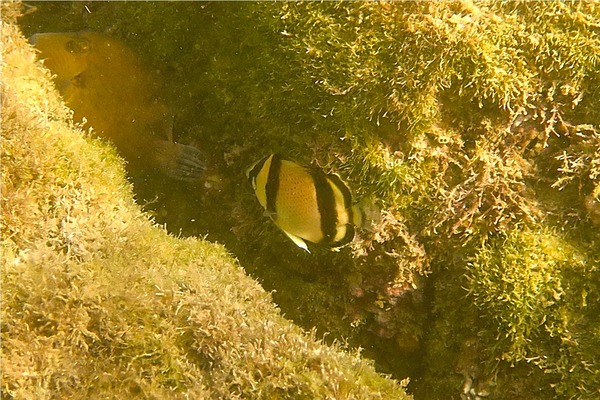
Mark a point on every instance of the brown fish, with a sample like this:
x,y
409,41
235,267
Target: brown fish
x,y
106,84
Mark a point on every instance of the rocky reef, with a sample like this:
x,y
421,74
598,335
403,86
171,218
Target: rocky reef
x,y
474,128
99,302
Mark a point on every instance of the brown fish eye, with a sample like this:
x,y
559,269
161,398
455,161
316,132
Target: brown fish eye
x,y
77,46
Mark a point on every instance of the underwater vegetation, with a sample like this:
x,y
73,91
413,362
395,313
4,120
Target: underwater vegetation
x,y
474,128
99,302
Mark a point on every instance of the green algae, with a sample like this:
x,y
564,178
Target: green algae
x,y
99,302
472,125
536,296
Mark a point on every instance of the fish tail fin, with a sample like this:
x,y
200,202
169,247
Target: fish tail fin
x,y
357,215
366,215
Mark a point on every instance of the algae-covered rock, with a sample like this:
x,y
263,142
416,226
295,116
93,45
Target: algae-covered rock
x,y
537,296
97,302
472,126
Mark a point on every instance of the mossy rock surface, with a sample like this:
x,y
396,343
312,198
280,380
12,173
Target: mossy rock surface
x,y
474,126
99,302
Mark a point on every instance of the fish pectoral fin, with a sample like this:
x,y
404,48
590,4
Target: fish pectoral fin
x,y
270,214
297,240
177,161
182,162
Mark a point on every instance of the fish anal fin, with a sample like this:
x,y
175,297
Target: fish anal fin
x,y
297,240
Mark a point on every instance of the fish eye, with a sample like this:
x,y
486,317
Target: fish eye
x,y
77,46
78,81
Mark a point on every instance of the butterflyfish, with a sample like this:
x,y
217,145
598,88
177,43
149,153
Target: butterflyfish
x,y
307,204
109,88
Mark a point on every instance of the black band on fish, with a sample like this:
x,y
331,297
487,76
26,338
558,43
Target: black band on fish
x,y
326,205
256,168
337,181
272,185
348,236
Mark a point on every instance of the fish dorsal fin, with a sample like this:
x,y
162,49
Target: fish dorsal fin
x,y
298,241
